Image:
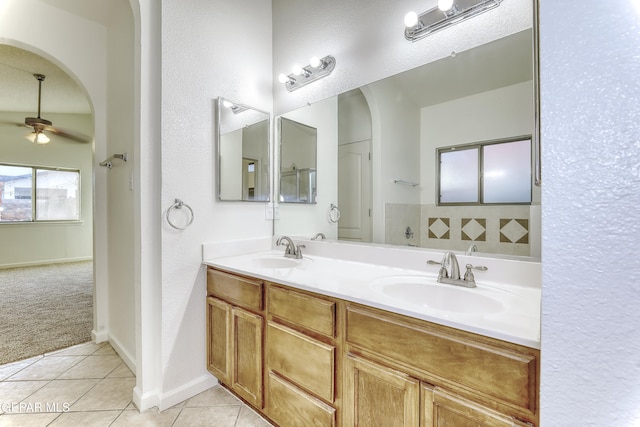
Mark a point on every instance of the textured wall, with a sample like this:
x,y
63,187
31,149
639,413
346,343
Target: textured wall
x,y
209,49
590,63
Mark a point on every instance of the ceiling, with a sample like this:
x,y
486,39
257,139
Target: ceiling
x,y
19,89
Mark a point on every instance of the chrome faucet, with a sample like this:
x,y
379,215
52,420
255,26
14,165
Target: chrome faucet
x,y
472,248
320,236
292,251
450,271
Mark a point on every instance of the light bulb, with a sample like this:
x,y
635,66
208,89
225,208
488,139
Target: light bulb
x,y
227,104
315,62
38,138
283,78
297,70
445,5
411,19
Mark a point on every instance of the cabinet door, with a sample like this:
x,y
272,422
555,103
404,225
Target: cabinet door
x,y
443,409
247,344
375,395
219,345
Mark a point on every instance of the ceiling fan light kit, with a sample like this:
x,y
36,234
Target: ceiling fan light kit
x,y
40,125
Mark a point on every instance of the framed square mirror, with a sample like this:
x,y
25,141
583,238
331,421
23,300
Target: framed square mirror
x,y
242,152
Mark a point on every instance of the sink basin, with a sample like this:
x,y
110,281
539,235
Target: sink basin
x,y
425,292
276,262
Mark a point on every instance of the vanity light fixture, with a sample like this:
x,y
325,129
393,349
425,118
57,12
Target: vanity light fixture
x,y
235,108
445,14
302,76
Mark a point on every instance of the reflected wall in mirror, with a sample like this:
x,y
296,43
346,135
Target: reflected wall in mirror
x,y
385,153
243,152
298,164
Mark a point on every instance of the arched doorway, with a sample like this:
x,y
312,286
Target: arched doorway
x,y
47,212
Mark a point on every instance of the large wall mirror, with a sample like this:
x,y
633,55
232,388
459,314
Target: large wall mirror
x,y
379,157
243,152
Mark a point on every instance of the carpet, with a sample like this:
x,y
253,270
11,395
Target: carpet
x,y
44,308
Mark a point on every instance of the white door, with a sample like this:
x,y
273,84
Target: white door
x,y
354,191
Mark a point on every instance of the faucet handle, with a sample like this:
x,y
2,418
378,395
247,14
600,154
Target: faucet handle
x,y
443,273
468,275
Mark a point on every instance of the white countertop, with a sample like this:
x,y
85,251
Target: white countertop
x,y
514,316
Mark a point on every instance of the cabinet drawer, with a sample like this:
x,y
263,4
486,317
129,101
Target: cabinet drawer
x,y
241,291
289,406
498,372
302,360
314,314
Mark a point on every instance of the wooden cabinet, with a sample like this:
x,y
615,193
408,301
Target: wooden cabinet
x,y
235,335
484,381
303,359
379,396
443,409
300,358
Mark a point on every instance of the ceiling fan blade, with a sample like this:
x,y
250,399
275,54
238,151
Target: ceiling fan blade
x,y
72,135
13,124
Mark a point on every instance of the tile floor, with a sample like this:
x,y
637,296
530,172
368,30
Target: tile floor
x,y
89,385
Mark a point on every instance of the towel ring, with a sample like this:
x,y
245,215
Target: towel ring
x,y
178,205
334,214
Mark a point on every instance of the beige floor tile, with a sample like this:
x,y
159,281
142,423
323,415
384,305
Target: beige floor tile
x,y
105,350
215,396
150,418
122,371
47,368
217,416
84,349
89,419
59,395
13,392
108,394
248,418
26,420
11,368
93,367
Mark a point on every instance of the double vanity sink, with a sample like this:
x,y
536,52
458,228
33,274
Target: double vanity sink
x,y
322,337
505,311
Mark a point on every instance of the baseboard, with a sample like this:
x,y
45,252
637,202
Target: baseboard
x,y
186,391
45,262
126,357
146,401
99,336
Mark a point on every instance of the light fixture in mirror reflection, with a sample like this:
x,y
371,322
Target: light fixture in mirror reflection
x,y
388,132
242,152
298,174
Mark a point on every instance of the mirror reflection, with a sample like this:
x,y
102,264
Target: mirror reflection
x,y
298,146
243,152
385,154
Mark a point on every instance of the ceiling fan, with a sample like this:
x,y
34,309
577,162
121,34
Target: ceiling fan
x,y
40,125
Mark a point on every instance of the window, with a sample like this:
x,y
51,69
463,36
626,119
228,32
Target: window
x,y
495,172
56,193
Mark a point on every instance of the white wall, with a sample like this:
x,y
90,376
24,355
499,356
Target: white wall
x,y
591,194
209,49
42,243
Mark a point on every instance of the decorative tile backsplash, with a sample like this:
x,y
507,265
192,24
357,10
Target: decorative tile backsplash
x,y
439,228
493,229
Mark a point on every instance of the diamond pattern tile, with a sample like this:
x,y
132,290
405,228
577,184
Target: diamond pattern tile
x,y
439,228
474,229
514,230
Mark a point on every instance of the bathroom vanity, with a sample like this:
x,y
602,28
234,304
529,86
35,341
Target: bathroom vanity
x,y
308,342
